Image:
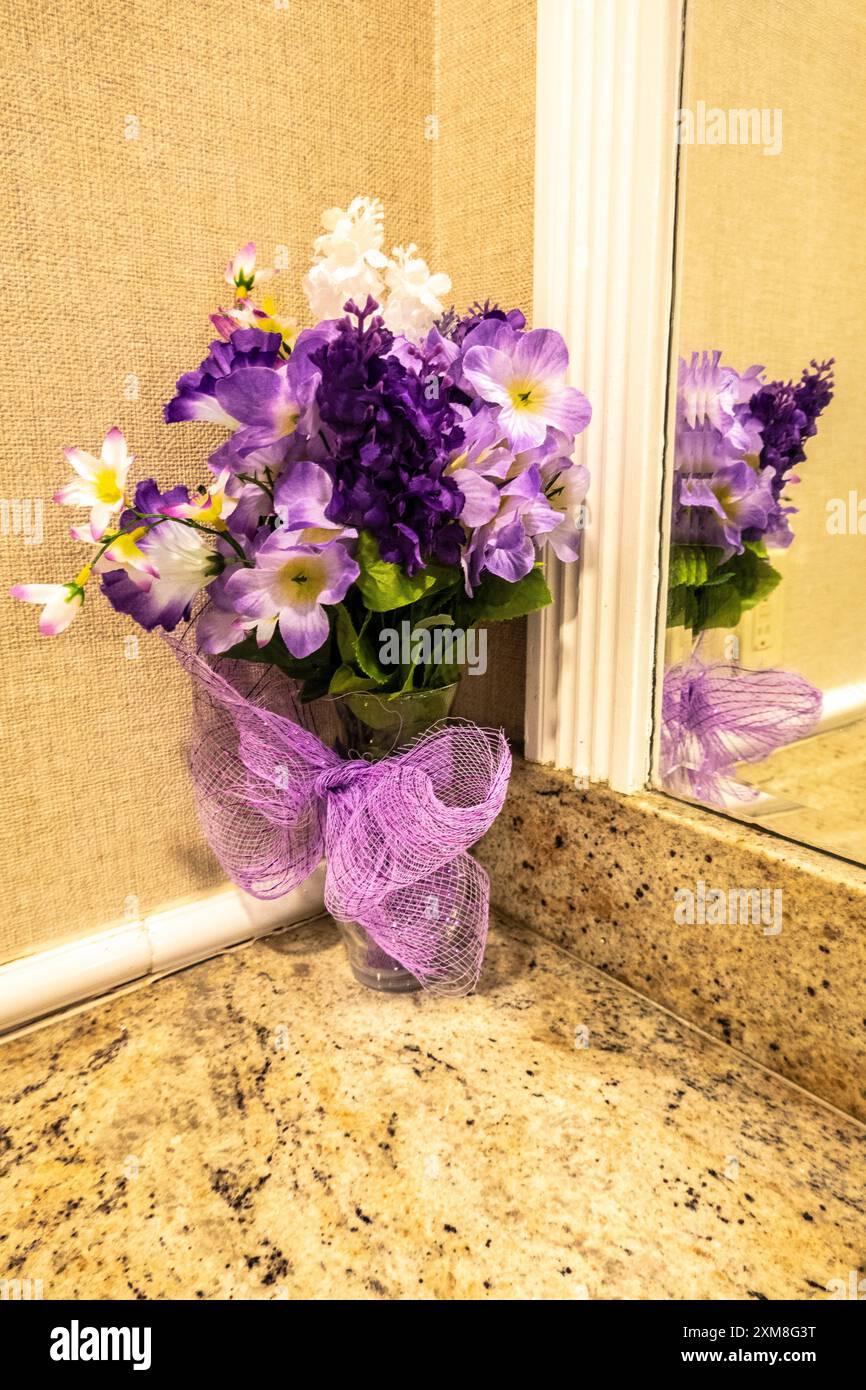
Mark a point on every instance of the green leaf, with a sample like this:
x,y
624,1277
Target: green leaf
x,y
347,637
757,547
755,578
435,620
385,586
366,656
728,592
344,679
410,676
495,600
692,564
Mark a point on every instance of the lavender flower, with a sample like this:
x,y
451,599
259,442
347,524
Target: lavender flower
x,y
388,443
289,586
786,415
452,326
737,441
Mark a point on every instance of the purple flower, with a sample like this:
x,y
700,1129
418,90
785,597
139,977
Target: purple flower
x,y
524,374
149,501
717,510
262,400
710,394
566,494
302,497
484,451
184,563
218,627
786,416
726,423
196,397
506,545
288,586
389,439
240,455
458,329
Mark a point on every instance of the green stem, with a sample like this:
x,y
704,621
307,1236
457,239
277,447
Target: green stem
x,y
268,491
157,519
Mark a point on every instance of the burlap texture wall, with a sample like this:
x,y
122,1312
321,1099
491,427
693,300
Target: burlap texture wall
x,y
483,203
141,145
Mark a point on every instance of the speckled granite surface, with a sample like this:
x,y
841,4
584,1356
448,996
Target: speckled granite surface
x,y
600,873
259,1126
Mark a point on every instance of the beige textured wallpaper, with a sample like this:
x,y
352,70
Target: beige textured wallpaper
x,y
141,145
247,120
774,271
483,206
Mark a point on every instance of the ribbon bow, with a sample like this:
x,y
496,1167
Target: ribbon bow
x,y
272,799
719,714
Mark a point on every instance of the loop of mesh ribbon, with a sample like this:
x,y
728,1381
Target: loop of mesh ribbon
x,y
719,714
273,798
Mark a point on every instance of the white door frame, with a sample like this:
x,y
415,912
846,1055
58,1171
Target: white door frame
x,y
608,84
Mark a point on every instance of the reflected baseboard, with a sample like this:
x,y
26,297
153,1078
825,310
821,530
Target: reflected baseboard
x,y
765,806
843,704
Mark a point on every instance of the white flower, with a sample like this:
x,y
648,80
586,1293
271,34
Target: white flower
x,y
61,603
348,258
567,496
241,271
413,303
100,482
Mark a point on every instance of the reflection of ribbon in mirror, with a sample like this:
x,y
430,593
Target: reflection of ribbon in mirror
x,y
720,714
272,799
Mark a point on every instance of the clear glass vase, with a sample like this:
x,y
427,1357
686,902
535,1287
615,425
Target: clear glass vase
x,y
372,726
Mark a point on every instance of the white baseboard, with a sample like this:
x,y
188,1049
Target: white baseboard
x,y
842,705
88,966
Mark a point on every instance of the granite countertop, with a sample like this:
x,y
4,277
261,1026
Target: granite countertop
x,y
259,1126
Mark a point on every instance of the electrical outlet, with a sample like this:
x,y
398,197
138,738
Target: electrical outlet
x,y
762,628
763,633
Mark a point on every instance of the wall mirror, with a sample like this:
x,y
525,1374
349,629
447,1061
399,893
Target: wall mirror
x,y
764,654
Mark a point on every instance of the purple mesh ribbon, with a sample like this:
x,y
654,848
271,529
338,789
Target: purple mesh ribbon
x,y
714,716
272,799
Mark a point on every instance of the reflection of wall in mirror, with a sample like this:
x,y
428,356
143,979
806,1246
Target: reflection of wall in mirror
x,y
773,270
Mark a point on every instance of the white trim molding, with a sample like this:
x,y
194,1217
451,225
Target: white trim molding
x,y
87,966
608,83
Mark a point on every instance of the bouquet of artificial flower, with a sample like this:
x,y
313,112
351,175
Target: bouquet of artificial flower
x,y
393,462
738,441
392,458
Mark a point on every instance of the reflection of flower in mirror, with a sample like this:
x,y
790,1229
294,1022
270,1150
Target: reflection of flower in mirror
x,y
737,440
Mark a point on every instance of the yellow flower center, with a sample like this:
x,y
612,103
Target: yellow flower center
x,y
526,395
125,548
107,490
287,418
299,580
